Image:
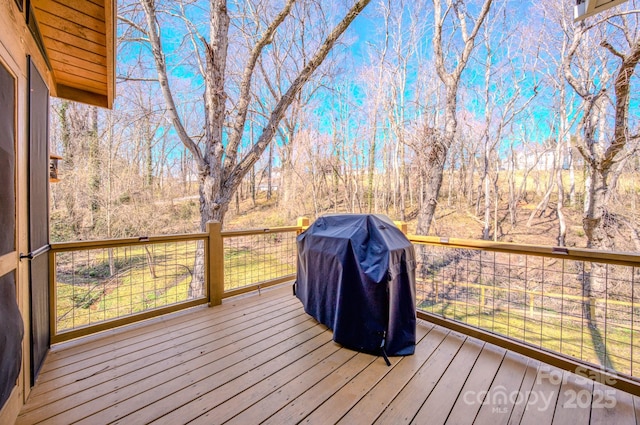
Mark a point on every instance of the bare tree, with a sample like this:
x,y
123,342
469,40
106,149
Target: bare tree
x,y
601,157
504,101
602,152
440,144
217,153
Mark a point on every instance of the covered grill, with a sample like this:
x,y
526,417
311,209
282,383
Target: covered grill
x,y
356,275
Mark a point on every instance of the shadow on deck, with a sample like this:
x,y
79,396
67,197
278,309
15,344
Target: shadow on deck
x,y
262,359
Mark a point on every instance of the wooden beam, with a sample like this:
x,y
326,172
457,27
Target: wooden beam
x,y
64,68
577,254
8,262
71,50
110,11
84,96
104,326
114,243
215,255
80,38
80,82
60,59
73,39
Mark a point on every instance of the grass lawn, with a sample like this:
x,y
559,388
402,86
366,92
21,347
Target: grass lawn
x,y
549,330
103,284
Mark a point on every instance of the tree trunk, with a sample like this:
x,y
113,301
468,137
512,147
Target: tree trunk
x,y
437,155
440,144
148,147
371,167
214,202
595,219
270,173
94,162
433,182
496,199
486,230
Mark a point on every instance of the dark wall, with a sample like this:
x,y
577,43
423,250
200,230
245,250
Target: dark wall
x,y
11,333
38,160
38,217
11,327
7,163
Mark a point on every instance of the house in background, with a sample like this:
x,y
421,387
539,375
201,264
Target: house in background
x,y
47,48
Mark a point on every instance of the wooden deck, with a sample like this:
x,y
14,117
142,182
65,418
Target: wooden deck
x,y
262,359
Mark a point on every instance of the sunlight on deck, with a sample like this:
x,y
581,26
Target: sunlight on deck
x,y
262,359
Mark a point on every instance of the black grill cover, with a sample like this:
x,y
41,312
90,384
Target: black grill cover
x,y
356,275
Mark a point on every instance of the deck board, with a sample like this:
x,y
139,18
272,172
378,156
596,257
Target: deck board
x,y
440,402
498,405
406,404
623,412
286,405
62,370
542,401
224,403
197,377
261,359
349,395
482,374
378,398
525,388
575,398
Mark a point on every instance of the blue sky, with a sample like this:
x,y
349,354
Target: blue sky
x,y
366,31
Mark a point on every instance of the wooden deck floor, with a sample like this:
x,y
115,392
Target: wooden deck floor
x,y
262,359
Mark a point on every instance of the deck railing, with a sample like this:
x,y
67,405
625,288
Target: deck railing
x,y
581,304
254,259
98,285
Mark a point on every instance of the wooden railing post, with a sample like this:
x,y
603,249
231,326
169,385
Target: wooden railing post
x,y
402,226
303,224
215,256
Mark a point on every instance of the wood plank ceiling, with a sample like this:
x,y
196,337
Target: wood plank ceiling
x,y
79,39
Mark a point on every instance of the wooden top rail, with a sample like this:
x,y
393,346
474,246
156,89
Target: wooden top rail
x,y
250,232
113,243
577,254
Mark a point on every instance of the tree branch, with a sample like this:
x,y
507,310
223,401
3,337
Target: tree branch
x,y
578,31
132,24
612,49
161,67
469,44
235,175
622,82
245,87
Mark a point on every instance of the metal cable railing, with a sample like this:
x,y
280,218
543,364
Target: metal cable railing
x,y
258,258
104,281
98,285
582,304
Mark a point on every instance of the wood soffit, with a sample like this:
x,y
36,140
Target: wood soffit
x,y
79,42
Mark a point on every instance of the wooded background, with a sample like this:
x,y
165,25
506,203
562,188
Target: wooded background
x,y
487,119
